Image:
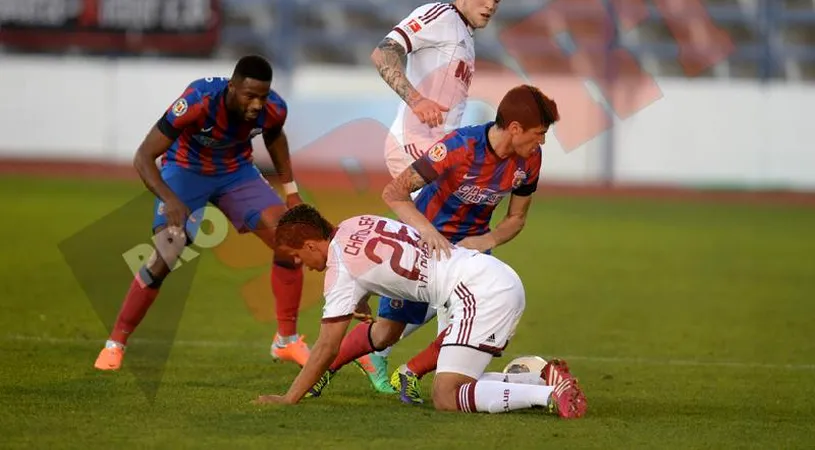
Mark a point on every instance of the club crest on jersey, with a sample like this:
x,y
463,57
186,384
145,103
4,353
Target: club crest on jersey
x,y
519,177
438,152
414,26
180,107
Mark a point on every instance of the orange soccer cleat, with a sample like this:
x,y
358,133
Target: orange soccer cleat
x,y
110,358
296,352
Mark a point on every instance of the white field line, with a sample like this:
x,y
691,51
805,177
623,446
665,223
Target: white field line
x,y
599,359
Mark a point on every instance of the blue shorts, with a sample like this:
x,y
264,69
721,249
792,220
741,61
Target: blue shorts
x,y
241,195
404,311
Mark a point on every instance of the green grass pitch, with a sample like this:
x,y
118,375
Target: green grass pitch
x,y
690,325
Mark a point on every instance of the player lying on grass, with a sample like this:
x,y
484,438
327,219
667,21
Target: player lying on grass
x,y
428,59
204,140
462,179
367,255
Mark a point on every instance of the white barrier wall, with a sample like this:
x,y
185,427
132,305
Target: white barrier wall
x,y
705,132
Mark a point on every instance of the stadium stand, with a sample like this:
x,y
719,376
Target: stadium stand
x,y
771,38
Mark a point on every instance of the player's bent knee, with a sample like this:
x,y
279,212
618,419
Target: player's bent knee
x,y
157,267
165,256
386,332
270,216
446,387
445,401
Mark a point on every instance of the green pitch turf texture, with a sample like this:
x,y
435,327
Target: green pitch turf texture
x,y
690,325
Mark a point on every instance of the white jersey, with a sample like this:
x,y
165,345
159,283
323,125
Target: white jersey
x,y
377,255
440,64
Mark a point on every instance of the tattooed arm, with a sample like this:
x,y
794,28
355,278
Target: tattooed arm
x,y
390,59
397,197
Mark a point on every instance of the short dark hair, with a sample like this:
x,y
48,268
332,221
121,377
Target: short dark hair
x,y
528,106
253,66
301,223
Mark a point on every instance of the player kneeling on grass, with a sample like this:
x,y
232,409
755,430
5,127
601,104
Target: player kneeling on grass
x,y
461,180
367,255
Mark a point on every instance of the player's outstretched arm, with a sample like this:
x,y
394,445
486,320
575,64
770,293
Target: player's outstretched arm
x,y
509,227
323,353
390,60
277,144
397,196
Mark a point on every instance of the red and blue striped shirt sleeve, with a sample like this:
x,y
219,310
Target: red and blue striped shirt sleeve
x,y
531,185
183,113
276,113
443,156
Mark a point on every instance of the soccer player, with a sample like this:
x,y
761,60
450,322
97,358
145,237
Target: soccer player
x,y
374,255
466,175
204,139
428,59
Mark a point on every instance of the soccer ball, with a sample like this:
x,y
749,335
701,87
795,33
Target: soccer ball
x,y
524,364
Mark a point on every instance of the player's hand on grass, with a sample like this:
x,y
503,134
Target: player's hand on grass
x,y
481,243
293,200
437,244
273,400
429,112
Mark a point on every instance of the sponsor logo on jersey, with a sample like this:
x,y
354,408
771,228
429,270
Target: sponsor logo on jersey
x,y
215,144
414,26
477,195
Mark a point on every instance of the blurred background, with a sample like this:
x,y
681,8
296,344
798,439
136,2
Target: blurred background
x,y
668,92
686,313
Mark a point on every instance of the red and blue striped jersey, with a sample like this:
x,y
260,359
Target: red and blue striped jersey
x,y
467,180
208,139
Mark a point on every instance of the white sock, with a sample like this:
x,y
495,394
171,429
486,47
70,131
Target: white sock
x,y
282,341
515,378
113,344
497,397
384,353
409,329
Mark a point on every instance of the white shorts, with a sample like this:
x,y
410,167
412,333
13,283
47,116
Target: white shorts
x,y
463,360
486,306
399,157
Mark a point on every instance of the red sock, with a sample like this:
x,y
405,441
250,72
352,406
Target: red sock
x,y
425,361
287,286
137,301
354,345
